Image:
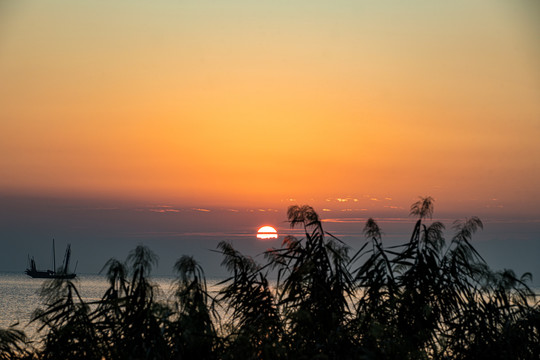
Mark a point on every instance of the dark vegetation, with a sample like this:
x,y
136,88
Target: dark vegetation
x,y
426,299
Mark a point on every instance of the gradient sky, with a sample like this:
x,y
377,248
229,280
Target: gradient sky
x,y
121,109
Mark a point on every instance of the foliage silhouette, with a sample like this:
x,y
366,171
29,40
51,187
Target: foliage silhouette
x,y
423,299
255,328
71,334
315,288
13,344
191,333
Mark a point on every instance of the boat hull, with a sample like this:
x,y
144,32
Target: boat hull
x,y
36,274
62,273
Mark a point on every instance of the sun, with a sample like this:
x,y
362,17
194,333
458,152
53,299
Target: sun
x,y
267,232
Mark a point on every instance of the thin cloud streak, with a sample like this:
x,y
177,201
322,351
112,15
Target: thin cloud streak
x,y
412,221
175,234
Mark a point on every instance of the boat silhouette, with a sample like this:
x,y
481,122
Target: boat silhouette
x,y
60,273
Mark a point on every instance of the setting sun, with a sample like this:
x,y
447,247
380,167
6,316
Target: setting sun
x,y
267,232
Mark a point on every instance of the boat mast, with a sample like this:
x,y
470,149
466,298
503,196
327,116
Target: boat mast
x,y
54,256
66,258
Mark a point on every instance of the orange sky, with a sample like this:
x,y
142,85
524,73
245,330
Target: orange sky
x,y
244,103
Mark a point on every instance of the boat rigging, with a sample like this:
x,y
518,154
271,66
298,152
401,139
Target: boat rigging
x,y
60,273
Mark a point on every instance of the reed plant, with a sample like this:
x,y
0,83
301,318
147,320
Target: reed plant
x,y
427,298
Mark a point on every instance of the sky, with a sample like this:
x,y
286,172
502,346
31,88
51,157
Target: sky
x,y
178,124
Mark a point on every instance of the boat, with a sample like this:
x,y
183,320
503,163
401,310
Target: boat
x,y
60,273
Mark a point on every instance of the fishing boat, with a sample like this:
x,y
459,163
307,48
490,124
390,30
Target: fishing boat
x,y
60,273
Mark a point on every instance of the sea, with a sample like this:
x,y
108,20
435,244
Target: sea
x,y
19,296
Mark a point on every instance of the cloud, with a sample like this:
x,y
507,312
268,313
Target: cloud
x,y
499,206
101,208
164,210
201,209
342,199
345,220
511,221
161,209
179,234
364,219
351,210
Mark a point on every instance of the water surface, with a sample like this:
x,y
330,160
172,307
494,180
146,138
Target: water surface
x,y
19,296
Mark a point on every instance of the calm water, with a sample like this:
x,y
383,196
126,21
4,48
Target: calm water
x,y
19,295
